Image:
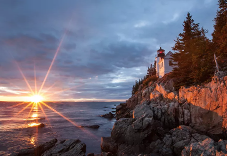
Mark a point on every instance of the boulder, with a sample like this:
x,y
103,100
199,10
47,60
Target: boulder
x,y
108,115
122,111
222,146
54,147
67,148
156,146
179,146
142,123
36,150
181,133
205,148
155,95
135,131
90,126
142,111
120,128
108,145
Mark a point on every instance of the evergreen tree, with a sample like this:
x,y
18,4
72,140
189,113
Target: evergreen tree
x,y
220,34
183,56
193,59
133,90
202,58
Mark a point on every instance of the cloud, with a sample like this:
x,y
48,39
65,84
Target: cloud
x,y
107,44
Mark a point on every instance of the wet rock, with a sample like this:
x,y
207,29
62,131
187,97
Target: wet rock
x,y
53,147
67,148
41,125
91,126
108,115
36,151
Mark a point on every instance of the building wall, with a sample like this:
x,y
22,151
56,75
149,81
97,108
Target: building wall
x,y
162,66
168,68
157,66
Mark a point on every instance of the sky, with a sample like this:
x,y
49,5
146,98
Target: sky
x,y
100,46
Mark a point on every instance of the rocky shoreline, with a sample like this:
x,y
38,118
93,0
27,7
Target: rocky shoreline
x,y
159,121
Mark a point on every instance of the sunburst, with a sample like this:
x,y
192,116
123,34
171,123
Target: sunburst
x,y
36,97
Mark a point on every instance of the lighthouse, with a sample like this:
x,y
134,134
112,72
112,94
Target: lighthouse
x,y
163,62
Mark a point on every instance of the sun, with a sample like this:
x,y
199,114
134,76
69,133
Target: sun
x,y
36,98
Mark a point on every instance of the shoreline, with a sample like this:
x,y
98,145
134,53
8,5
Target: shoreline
x,y
157,121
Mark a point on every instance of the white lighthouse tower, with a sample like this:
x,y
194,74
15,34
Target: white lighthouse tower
x,y
163,62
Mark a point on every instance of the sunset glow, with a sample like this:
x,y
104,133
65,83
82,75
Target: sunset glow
x,y
36,98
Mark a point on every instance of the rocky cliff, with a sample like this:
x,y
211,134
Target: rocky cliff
x,y
158,120
202,107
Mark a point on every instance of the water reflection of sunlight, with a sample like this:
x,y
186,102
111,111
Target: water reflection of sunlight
x,y
34,118
34,115
35,108
32,140
33,124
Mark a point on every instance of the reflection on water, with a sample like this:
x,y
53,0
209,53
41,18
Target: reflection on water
x,y
32,140
34,118
24,130
33,124
34,115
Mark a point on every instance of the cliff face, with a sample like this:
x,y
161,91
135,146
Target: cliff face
x,y
158,120
208,105
202,107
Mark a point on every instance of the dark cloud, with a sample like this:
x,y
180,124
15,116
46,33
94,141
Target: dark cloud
x,y
107,44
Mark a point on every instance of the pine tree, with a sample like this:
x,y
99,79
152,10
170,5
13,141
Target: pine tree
x,y
183,57
133,90
220,34
202,58
194,58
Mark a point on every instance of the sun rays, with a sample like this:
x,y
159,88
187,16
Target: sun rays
x,y
37,96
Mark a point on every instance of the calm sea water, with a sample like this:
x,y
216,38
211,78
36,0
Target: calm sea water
x,y
17,131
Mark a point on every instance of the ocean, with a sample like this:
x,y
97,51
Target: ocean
x,y
19,131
